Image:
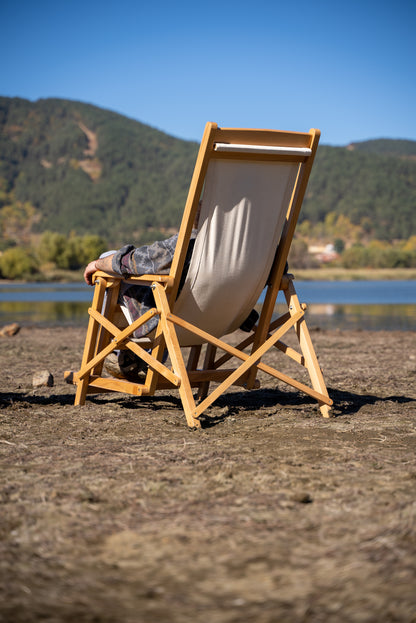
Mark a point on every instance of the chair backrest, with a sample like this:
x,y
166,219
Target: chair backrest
x,y
247,196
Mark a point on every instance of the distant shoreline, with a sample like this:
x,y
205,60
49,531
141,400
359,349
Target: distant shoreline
x,y
300,274
354,274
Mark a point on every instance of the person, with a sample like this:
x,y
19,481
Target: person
x,y
135,300
154,259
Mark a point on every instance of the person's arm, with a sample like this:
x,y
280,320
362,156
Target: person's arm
x,y
103,263
149,259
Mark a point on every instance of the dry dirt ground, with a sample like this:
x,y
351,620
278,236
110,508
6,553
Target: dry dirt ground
x,y
116,512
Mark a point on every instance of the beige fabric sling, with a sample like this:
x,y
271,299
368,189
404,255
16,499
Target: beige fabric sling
x,y
242,216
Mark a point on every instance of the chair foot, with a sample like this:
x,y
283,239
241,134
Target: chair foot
x,y
69,377
326,411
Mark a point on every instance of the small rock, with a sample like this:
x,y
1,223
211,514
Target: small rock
x,y
10,329
43,378
303,498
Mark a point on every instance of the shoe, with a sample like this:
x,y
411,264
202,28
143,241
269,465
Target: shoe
x,y
250,321
125,365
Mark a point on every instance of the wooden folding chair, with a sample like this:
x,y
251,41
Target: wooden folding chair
x,y
249,185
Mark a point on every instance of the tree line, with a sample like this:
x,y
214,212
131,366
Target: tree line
x,y
52,252
26,255
75,179
85,169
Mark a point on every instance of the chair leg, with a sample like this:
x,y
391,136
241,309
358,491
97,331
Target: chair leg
x,y
208,364
308,351
108,310
193,358
90,340
312,364
81,393
175,354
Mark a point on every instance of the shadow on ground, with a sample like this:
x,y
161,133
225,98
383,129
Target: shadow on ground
x,y
234,403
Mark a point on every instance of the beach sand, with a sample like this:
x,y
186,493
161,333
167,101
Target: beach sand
x,y
116,512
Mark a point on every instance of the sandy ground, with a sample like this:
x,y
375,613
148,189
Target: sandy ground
x,y
116,512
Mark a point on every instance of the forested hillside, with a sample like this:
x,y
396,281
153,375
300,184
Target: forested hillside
x,y
78,168
85,169
373,188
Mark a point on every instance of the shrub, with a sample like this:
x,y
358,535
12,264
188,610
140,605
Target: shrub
x,y
91,247
51,247
70,253
17,263
355,257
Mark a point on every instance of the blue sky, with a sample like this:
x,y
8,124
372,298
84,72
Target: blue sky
x,y
347,68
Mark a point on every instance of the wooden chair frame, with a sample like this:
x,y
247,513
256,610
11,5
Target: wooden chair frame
x,y
105,335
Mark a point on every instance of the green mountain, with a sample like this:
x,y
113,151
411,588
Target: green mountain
x,y
89,170
372,183
386,147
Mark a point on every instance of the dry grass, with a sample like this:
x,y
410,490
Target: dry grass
x,y
115,512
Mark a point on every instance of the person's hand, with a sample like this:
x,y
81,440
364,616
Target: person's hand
x,y
89,271
103,263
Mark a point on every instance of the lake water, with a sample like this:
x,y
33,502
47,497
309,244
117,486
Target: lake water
x,y
374,305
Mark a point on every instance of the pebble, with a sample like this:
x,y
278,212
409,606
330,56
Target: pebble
x,y
42,378
303,498
9,329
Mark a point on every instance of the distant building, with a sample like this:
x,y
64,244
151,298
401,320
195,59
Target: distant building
x,y
323,253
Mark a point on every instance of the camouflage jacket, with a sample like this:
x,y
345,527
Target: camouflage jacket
x,y
151,259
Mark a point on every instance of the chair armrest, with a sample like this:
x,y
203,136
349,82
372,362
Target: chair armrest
x,y
148,279
133,279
